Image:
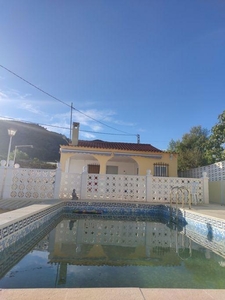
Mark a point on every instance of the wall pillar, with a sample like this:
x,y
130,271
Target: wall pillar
x,y
8,181
83,186
205,180
2,176
149,186
57,181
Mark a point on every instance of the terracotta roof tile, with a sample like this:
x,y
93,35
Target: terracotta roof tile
x,y
117,146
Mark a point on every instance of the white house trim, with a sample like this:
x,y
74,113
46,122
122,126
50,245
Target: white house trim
x,y
157,156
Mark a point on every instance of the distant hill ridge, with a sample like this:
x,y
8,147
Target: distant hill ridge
x,y
45,143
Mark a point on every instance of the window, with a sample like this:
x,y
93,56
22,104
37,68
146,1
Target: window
x,y
111,170
93,169
161,170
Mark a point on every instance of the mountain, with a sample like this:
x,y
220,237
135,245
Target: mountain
x,y
45,143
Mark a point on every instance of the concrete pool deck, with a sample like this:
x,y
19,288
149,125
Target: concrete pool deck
x,y
111,294
212,210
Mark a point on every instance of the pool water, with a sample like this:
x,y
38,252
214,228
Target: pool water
x,y
90,251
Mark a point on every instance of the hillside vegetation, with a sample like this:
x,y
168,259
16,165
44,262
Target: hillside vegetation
x,y
46,144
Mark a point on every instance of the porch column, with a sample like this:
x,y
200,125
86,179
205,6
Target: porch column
x,y
102,159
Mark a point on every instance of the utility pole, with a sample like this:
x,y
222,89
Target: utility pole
x,y
138,138
71,120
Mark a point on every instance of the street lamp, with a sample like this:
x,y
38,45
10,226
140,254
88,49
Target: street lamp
x,y
11,133
20,146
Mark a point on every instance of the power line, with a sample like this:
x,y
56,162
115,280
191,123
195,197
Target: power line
x,y
67,128
124,134
100,121
33,85
57,99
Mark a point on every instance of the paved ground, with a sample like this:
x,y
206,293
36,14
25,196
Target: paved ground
x,y
213,210
112,294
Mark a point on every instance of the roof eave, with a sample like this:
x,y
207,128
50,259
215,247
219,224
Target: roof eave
x,y
111,153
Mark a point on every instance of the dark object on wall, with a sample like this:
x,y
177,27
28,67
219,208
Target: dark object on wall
x,y
74,195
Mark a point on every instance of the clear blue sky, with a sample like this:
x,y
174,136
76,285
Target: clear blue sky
x,y
154,68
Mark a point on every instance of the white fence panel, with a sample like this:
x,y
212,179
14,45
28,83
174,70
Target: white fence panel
x,y
116,187
215,172
55,184
32,184
161,187
70,181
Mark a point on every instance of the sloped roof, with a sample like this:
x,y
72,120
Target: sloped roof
x,y
117,146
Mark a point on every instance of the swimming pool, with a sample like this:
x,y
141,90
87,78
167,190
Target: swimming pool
x,y
120,248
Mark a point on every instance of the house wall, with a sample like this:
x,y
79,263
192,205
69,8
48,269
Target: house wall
x,y
143,163
76,166
148,164
125,168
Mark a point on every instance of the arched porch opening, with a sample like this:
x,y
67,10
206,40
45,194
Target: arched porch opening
x,y
78,162
122,165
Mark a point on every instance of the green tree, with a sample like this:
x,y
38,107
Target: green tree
x,y
216,145
174,146
191,149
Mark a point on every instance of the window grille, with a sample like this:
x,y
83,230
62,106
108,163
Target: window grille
x,y
93,169
161,170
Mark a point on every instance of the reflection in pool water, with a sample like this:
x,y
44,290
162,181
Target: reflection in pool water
x,y
87,251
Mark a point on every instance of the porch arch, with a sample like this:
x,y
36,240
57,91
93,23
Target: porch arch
x,y
123,164
76,162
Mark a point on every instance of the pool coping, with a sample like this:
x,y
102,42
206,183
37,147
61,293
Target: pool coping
x,y
111,294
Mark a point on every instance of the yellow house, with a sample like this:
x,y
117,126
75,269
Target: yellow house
x,y
100,157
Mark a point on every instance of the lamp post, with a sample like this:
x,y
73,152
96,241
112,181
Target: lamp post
x,y
11,133
20,146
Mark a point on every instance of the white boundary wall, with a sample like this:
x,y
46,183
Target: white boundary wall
x,y
215,172
55,184
130,187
